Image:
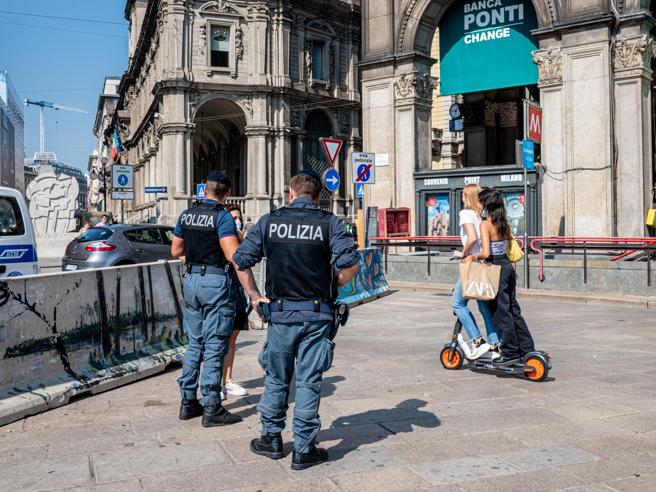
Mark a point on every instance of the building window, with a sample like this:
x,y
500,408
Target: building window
x,y
318,57
220,46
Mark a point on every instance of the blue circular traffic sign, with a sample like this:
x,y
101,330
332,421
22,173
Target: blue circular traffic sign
x,y
364,173
331,180
123,179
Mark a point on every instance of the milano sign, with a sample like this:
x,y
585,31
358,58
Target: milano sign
x,y
487,45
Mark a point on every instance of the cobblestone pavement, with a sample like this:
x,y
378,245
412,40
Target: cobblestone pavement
x,y
393,419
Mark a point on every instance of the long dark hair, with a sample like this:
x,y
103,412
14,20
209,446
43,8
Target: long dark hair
x,y
492,201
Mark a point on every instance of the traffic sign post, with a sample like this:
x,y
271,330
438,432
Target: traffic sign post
x,y
528,162
331,147
331,180
122,176
155,190
364,167
359,190
200,191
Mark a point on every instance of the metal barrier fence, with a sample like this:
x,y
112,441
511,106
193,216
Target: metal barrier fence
x,y
620,248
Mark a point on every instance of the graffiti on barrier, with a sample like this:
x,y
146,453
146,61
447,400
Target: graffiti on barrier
x,y
370,280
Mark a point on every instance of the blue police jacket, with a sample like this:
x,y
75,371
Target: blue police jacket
x,y
342,248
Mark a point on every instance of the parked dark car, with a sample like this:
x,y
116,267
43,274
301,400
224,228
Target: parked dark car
x,y
120,244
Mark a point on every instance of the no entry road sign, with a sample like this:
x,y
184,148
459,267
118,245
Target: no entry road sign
x,y
364,170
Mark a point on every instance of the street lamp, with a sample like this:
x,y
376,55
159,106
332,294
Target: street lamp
x,y
104,176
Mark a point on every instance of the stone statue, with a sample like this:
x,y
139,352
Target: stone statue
x,y
52,202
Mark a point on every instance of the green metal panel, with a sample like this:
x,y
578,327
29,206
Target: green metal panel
x,y
487,45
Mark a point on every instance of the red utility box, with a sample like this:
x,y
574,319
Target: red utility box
x,y
394,222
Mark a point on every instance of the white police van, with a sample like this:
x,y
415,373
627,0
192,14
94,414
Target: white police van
x,y
17,240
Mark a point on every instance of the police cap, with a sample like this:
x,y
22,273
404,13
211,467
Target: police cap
x,y
219,177
311,174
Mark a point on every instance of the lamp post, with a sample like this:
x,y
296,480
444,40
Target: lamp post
x,y
104,176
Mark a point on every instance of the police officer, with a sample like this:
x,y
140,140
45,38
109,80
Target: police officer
x,y
309,254
207,237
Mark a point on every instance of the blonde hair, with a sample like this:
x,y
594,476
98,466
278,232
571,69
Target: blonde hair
x,y
470,197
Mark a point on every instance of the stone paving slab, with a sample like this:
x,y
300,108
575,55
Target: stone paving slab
x,y
393,418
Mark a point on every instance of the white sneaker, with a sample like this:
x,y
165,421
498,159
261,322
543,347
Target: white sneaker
x,y
494,354
233,389
480,350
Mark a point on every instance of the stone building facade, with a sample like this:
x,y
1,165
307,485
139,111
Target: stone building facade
x,y
247,87
594,84
100,158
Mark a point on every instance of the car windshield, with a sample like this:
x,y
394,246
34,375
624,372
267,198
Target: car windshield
x,y
94,234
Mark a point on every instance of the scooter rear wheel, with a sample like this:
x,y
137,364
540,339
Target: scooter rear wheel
x,y
449,361
539,370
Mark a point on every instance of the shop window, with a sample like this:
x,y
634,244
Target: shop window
x,y
438,213
318,60
220,46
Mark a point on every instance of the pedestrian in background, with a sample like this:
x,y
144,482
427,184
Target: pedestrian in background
x,y
229,387
516,339
470,235
207,237
309,254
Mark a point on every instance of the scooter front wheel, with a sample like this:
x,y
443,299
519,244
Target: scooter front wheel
x,y
536,369
451,361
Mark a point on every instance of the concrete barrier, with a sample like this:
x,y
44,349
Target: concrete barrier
x,y
369,283
67,334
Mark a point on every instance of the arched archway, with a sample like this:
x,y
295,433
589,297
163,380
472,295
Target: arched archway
x,y
421,18
219,143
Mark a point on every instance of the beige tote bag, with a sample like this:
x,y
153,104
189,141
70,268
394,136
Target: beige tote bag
x,y
479,281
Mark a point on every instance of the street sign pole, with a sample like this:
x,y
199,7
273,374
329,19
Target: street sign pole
x,y
526,216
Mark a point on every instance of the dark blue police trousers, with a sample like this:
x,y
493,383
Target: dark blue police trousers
x,y
307,345
209,316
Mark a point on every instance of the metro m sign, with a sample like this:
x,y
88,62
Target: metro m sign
x,y
534,116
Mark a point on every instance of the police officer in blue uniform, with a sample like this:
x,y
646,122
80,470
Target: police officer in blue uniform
x,y
207,237
309,254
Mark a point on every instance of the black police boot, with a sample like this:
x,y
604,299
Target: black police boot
x,y
217,416
190,409
301,461
268,445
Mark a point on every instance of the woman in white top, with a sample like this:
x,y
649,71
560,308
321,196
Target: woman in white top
x,y
470,234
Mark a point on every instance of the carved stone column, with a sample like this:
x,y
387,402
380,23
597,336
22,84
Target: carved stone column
x,y
633,77
554,194
413,104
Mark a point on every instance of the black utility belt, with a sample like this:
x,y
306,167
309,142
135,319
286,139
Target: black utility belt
x,y
208,269
317,306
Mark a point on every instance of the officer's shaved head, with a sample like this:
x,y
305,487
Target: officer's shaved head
x,y
306,184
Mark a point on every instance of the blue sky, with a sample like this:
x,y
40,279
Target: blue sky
x,y
47,62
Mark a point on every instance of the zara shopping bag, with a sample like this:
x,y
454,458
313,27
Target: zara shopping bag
x,y
479,281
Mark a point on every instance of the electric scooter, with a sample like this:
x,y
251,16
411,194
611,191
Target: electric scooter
x,y
534,366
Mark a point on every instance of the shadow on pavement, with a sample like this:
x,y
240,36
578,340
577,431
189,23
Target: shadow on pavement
x,y
397,420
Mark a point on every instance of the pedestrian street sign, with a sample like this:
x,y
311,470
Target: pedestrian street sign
x,y
155,190
359,190
122,176
331,180
528,154
200,191
364,167
331,146
122,195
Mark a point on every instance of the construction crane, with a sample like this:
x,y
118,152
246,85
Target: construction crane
x,y
42,117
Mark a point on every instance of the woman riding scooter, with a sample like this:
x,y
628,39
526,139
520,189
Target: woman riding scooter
x,y
470,222
516,339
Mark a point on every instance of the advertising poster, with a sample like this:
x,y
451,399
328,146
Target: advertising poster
x,y
438,213
515,211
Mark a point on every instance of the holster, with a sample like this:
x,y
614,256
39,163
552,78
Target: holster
x,y
340,318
